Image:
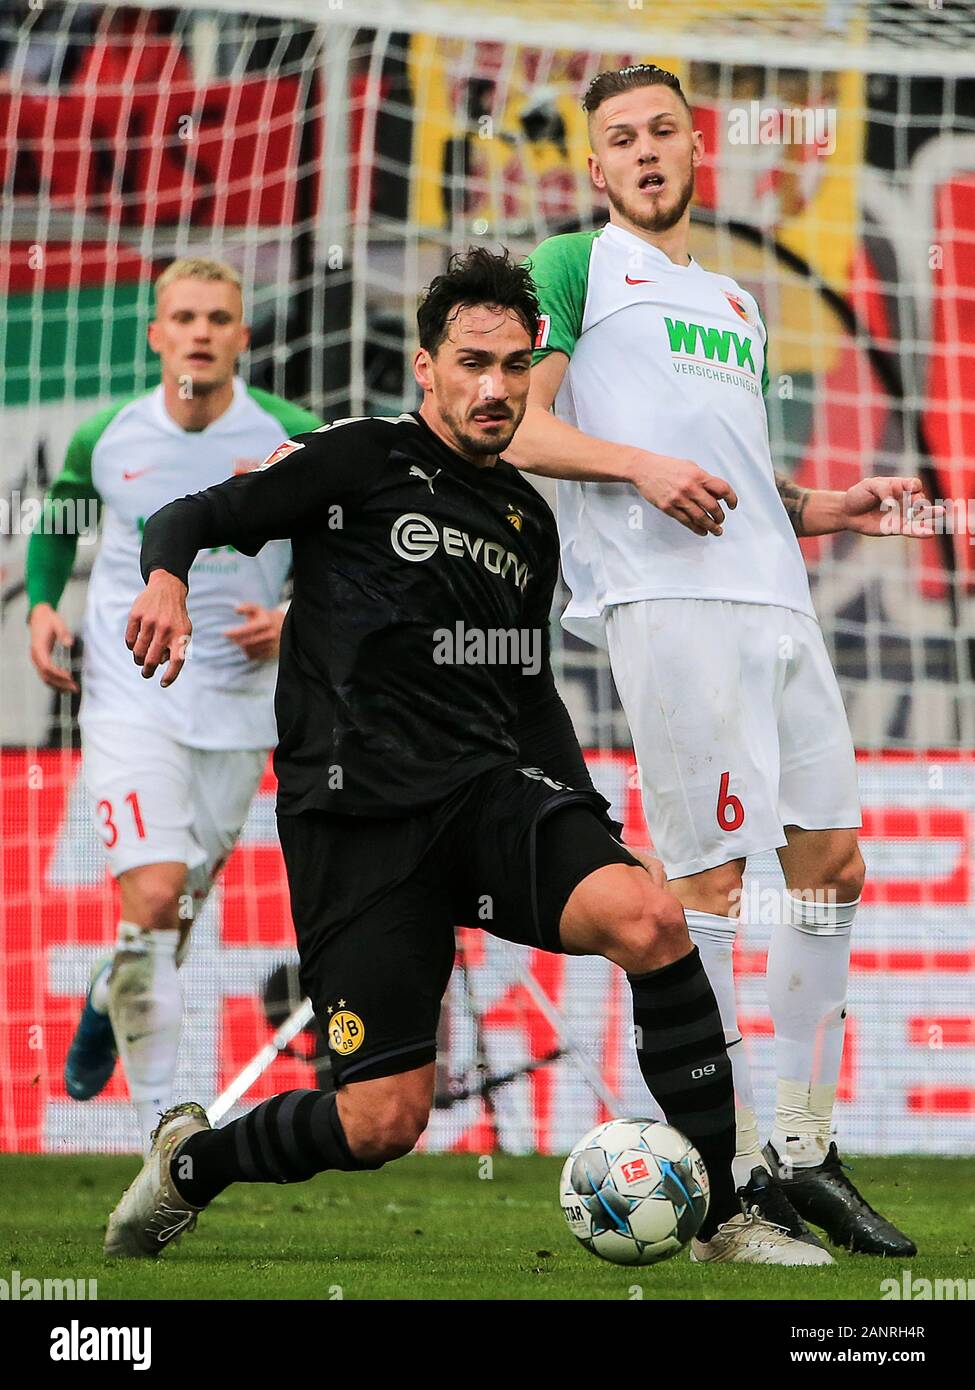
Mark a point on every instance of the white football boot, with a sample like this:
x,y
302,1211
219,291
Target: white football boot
x,y
151,1214
767,1232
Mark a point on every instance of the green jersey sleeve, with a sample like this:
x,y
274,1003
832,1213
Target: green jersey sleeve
x,y
765,377
292,418
52,547
560,270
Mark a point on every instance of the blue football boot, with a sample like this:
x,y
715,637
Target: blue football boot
x,y
92,1055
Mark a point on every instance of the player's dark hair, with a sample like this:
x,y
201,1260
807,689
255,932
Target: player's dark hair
x,y
479,277
612,82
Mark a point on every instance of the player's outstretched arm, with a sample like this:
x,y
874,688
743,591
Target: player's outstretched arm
x,y
291,491
874,507
552,448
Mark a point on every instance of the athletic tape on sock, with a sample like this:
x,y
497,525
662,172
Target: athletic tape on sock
x,y
818,918
138,940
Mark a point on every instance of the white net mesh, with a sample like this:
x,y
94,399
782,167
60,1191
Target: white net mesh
x,y
336,154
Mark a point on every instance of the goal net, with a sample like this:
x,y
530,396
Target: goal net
x,y
336,152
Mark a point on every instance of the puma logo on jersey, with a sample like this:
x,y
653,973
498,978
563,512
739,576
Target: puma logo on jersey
x,y
417,472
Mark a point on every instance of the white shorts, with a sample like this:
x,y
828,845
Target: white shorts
x,y
155,800
737,723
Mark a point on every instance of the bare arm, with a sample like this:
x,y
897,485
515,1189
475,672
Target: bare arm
x,y
552,448
47,629
874,507
795,499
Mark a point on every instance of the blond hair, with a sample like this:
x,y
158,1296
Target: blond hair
x,y
197,268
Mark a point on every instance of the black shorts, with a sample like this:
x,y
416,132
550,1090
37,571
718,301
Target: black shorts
x,y
375,903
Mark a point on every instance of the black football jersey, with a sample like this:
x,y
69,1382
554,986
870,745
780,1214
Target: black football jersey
x,y
415,654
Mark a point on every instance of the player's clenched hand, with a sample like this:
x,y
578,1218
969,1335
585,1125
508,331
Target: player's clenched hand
x,y
260,636
46,630
890,507
682,490
159,627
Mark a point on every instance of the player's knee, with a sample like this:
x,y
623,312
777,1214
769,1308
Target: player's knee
x,y
717,890
846,874
153,900
392,1130
160,909
647,929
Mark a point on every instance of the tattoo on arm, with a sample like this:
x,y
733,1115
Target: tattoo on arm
x,y
794,499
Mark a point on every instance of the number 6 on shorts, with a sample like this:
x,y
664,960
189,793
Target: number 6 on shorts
x,y
731,813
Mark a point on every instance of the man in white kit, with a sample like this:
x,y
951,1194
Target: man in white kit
x,y
737,721
171,774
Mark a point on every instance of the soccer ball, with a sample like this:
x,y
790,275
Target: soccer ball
x,y
634,1191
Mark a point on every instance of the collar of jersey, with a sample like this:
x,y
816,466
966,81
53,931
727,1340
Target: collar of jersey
x,y
228,420
652,254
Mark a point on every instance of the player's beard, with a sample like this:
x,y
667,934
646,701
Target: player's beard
x,y
660,220
478,443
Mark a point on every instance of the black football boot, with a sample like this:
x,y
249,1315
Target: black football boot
x,y
825,1196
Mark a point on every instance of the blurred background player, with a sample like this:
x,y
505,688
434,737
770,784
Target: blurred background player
x,y
170,779
736,716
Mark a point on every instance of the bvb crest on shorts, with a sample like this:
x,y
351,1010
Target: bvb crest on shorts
x,y
346,1031
515,516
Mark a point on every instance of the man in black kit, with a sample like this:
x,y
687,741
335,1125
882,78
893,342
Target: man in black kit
x,y
428,773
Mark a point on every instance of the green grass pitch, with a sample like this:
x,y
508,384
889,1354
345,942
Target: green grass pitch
x,y
429,1227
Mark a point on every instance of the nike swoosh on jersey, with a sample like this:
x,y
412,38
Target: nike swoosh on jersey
x,y
640,282
128,476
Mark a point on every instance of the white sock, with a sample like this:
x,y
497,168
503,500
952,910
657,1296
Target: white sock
x,y
808,969
99,991
714,938
146,1009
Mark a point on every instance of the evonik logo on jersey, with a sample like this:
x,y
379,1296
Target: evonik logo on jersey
x,y
416,538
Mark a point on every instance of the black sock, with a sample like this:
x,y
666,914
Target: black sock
x,y
684,1061
288,1138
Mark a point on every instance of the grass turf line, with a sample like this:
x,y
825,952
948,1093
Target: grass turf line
x,y
428,1227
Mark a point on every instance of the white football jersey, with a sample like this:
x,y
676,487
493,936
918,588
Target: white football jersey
x,y
140,459
671,359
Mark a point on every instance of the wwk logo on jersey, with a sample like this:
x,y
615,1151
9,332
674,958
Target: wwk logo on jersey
x,y
718,353
416,538
544,328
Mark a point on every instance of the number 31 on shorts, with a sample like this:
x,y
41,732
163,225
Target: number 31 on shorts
x,y
730,812
108,824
